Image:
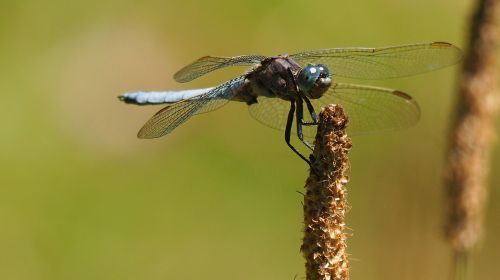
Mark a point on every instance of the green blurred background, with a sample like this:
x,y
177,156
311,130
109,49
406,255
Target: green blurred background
x,y
82,198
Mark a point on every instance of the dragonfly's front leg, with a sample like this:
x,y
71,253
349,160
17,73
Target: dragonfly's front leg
x,y
310,107
313,114
300,122
288,130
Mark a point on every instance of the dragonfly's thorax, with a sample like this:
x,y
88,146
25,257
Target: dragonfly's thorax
x,y
282,77
275,77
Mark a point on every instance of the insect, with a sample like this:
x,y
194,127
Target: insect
x,y
280,88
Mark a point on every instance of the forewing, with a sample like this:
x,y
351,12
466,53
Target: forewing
x,y
208,64
170,117
369,109
381,63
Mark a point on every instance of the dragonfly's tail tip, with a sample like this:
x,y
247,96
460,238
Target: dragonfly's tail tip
x,y
126,98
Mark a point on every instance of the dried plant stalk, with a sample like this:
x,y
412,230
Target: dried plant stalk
x,y
472,133
325,205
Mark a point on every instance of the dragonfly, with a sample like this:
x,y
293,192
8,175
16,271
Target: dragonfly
x,y
281,88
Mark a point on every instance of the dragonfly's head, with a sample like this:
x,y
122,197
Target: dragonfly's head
x,y
314,80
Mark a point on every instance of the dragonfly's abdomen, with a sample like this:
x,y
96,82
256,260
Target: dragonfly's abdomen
x,y
161,97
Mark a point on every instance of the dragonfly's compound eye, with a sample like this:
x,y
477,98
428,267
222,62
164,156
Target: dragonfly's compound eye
x,y
307,77
314,80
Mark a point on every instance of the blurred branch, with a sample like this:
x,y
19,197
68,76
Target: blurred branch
x,y
472,132
325,205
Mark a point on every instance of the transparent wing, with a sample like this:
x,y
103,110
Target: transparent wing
x,y
369,109
272,112
170,117
208,64
381,63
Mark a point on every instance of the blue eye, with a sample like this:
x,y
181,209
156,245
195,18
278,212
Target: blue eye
x,y
308,76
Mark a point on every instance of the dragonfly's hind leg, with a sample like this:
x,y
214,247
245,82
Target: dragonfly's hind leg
x,y
300,122
288,131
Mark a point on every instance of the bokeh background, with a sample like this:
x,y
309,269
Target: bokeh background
x,y
82,198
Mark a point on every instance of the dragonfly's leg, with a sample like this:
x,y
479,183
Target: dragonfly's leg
x,y
310,108
288,130
300,121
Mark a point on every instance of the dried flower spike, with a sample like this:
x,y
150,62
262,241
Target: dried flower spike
x,y
472,133
325,205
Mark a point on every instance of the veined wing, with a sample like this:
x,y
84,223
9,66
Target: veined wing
x,y
170,117
368,108
381,63
208,64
